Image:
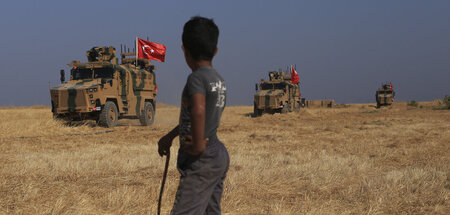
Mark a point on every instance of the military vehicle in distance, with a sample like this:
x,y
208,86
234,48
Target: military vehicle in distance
x,y
278,94
104,90
385,95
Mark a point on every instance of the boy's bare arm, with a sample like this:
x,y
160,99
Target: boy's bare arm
x,y
197,145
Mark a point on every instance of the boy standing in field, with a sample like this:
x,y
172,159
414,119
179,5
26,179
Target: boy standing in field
x,y
202,159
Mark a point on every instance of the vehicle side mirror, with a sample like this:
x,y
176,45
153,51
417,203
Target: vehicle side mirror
x,y
63,76
256,87
103,81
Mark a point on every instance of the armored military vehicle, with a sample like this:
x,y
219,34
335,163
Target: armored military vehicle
x,y
104,90
278,94
385,95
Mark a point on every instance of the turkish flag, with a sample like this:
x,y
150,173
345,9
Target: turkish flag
x,y
150,50
294,76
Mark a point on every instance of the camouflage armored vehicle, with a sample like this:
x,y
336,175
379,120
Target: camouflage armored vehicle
x,y
104,90
278,94
385,95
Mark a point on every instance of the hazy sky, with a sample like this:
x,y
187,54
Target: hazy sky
x,y
343,50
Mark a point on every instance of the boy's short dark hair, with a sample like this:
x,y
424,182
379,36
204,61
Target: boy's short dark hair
x,y
200,36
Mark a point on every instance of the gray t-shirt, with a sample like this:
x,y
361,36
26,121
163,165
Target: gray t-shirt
x,y
208,82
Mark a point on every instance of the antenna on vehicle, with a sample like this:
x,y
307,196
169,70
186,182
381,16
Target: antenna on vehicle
x,y
63,77
147,38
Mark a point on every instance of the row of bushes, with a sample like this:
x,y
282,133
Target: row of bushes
x,y
445,105
447,101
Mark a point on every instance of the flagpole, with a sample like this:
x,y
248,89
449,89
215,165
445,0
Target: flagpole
x,y
136,53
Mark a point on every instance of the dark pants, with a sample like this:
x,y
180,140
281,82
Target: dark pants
x,y
201,181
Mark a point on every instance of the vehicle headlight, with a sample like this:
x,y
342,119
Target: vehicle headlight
x,y
91,90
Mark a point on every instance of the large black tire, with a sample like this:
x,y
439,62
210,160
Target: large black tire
x,y
109,115
297,106
285,108
257,112
58,116
147,116
290,106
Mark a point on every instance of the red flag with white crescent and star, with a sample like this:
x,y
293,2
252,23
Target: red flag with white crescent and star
x,y
294,76
150,50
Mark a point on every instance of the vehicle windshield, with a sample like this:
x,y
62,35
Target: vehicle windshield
x,y
80,74
385,92
107,73
85,73
267,86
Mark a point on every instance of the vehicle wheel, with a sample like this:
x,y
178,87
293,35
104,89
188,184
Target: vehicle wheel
x,y
260,112
290,106
297,106
147,116
58,116
109,115
63,118
285,108
257,112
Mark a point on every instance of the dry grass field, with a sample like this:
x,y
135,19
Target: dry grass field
x,y
353,159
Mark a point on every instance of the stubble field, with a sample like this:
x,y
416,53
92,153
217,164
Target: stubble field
x,y
349,160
